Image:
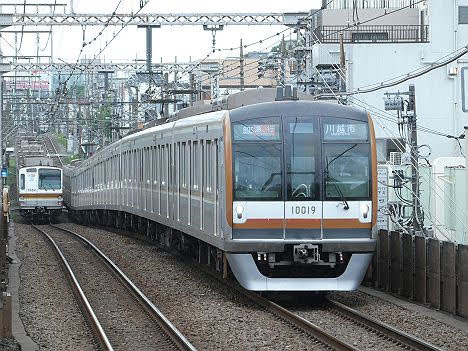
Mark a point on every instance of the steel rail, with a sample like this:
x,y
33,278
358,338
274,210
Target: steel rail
x,y
54,150
297,321
172,332
81,297
393,333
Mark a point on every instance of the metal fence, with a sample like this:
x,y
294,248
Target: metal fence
x,y
428,271
373,34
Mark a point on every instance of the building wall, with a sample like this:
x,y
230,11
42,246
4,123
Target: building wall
x,y
438,94
341,17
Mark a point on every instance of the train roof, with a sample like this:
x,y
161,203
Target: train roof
x,y
245,105
297,108
38,166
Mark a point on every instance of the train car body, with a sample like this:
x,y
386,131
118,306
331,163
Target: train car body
x,y
285,190
40,192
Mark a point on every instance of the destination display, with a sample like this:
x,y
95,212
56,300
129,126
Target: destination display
x,y
257,132
342,131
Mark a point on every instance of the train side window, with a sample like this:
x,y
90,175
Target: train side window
x,y
183,166
202,165
189,166
22,182
216,160
208,167
168,163
154,155
196,165
163,165
178,164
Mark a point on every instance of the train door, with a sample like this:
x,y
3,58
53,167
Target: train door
x,y
302,206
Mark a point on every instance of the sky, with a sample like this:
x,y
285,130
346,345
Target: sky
x,y
185,42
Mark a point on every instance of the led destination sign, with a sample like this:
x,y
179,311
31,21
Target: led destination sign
x,y
340,131
268,132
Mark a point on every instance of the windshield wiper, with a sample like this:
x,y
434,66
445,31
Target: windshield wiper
x,y
338,189
335,181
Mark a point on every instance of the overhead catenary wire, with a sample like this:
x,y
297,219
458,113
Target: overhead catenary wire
x,y
102,50
342,75
449,237
350,26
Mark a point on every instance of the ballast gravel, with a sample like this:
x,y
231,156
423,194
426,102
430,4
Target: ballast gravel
x,y
426,328
48,308
210,315
127,325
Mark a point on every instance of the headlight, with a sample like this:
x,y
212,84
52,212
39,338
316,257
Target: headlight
x,y
21,198
365,210
59,198
239,211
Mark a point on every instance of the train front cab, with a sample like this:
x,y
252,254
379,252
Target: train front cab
x,y
40,192
303,197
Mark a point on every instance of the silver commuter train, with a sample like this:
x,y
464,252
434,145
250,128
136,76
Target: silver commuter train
x,y
40,194
284,191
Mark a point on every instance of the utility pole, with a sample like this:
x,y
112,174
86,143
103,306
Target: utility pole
x,y
396,103
342,64
283,63
414,159
241,67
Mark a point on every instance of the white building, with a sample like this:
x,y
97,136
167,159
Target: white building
x,y
397,37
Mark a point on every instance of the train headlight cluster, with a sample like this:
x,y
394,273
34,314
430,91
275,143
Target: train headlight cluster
x,y
239,211
365,210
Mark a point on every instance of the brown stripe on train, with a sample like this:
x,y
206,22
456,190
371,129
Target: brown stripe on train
x,y
228,167
344,224
40,195
303,223
265,223
374,169
260,224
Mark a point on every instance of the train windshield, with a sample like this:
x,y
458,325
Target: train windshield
x,y
346,156
257,160
50,179
301,159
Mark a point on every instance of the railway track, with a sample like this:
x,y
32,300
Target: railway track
x,y
399,337
385,334
52,151
316,333
120,318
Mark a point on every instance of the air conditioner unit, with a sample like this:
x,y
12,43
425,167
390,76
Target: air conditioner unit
x,y
395,158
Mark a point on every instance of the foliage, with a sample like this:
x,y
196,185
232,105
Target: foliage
x,y
69,159
61,139
288,44
103,119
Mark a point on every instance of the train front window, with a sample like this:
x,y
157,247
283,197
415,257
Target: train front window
x,y
257,172
50,179
301,157
347,171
